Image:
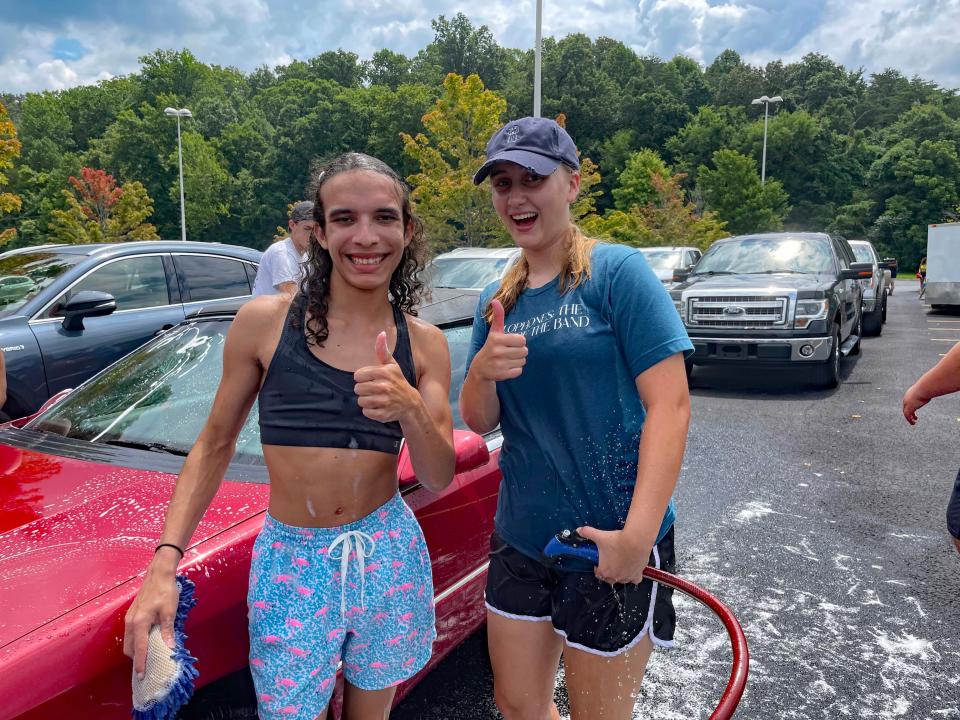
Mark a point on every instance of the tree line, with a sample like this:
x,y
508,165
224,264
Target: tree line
x,y
670,149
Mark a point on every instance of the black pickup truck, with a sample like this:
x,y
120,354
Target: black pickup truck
x,y
777,299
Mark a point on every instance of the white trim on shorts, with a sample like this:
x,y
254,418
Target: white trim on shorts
x,y
527,618
647,628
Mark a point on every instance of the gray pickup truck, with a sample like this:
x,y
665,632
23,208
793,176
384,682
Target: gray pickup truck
x,y
876,289
775,299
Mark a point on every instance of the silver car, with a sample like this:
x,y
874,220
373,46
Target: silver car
x,y
470,268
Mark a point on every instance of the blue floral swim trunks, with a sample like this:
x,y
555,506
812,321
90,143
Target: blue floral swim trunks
x,y
361,593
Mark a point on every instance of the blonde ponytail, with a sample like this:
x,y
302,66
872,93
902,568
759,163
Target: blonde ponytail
x,y
575,271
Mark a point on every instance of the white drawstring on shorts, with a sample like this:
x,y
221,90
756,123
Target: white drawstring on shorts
x,y
352,541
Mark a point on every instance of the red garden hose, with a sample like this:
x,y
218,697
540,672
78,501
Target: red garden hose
x,y
741,655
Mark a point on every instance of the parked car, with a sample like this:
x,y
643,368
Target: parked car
x,y
876,289
664,260
471,268
787,299
85,486
68,311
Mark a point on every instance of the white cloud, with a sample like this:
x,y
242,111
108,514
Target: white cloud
x,y
914,36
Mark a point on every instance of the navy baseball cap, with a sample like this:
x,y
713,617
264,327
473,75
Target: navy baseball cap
x,y
536,143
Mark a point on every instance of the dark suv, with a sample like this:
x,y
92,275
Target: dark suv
x,y
788,299
74,309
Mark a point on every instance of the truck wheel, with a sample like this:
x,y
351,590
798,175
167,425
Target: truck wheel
x,y
828,374
858,331
873,323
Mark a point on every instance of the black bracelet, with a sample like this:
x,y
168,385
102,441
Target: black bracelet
x,y
169,545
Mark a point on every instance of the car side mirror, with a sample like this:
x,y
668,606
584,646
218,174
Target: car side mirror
x,y
470,452
681,274
86,303
857,271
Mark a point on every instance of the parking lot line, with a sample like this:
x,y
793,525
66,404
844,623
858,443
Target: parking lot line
x,y
953,340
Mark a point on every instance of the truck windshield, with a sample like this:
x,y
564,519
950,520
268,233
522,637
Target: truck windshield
x,y
23,275
862,252
750,255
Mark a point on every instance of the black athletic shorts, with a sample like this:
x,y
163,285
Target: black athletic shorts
x,y
953,510
590,614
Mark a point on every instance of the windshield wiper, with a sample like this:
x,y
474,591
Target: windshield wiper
x,y
715,272
151,446
775,272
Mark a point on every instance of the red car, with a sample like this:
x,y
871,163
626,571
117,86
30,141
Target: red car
x,y
85,484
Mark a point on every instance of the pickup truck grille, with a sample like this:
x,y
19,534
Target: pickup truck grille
x,y
734,311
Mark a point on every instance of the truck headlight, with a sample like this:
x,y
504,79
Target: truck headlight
x,y
678,304
810,310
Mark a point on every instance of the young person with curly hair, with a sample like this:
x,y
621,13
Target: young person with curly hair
x,y
343,372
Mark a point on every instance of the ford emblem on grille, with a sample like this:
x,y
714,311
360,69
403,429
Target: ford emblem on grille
x,y
733,310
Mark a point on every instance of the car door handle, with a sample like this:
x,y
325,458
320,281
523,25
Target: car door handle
x,y
163,329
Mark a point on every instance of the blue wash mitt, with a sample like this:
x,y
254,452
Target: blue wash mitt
x,y
168,678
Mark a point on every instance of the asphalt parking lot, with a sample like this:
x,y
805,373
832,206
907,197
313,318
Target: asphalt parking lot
x,y
818,516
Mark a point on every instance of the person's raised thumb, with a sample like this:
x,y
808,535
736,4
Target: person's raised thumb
x,y
383,352
496,325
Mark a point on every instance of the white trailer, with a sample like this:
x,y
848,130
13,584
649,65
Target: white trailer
x,y
943,264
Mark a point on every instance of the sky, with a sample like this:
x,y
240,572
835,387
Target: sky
x,y
56,44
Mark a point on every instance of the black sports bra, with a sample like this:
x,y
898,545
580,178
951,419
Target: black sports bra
x,y
306,402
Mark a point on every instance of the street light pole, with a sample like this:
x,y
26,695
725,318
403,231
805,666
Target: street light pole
x,y
179,113
765,101
536,62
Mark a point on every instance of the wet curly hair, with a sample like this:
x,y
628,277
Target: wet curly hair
x,y
406,286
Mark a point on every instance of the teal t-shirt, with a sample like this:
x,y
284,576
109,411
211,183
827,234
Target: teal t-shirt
x,y
571,422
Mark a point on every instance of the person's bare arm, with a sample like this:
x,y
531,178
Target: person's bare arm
x,y
423,412
199,479
665,395
287,288
428,428
942,379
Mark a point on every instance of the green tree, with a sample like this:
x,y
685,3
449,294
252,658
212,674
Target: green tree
x,y
636,183
732,189
394,113
711,129
138,145
9,151
732,81
667,219
45,130
456,212
460,48
389,68
206,185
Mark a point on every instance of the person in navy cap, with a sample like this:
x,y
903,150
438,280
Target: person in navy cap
x,y
577,354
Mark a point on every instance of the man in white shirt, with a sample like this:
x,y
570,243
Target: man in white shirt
x,y
281,267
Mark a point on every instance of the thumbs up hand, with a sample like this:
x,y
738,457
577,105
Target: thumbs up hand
x,y
383,352
503,355
383,393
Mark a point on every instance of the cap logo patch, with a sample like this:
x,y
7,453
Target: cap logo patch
x,y
513,134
